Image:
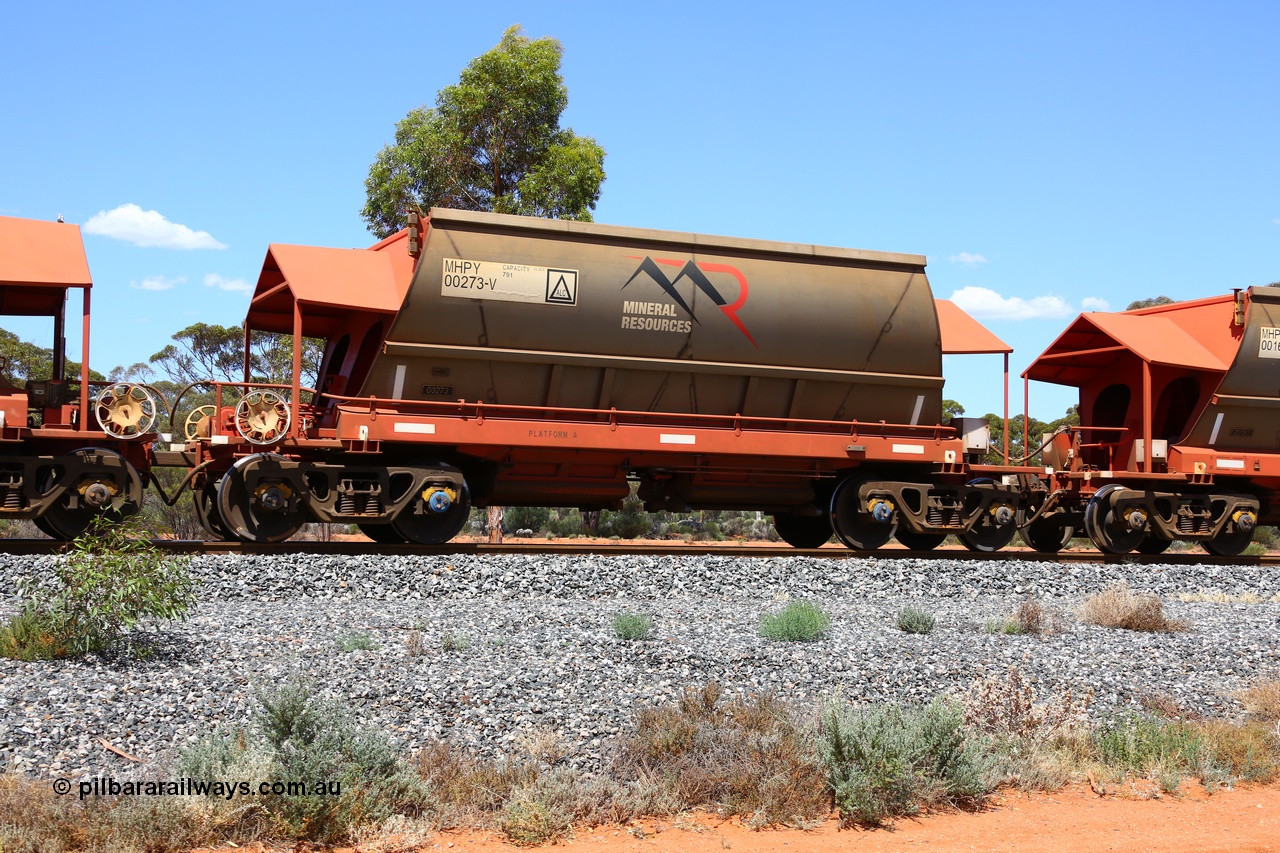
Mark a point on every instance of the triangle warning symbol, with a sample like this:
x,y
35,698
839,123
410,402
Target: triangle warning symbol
x,y
560,293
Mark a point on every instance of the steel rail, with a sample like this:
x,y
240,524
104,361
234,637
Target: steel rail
x,y
612,549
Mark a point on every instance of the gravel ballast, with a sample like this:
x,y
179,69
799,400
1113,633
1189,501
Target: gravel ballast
x,y
509,646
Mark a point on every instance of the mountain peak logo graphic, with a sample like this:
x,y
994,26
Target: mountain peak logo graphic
x,y
696,273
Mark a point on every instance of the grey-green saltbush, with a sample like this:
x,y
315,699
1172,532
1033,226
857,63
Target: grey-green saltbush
x,y
889,760
297,737
356,642
915,620
632,626
799,621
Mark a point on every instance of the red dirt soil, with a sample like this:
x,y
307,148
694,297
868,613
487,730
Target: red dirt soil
x,y
1074,820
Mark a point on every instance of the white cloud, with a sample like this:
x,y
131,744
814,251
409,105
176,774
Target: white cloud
x,y
968,259
157,282
1094,303
235,285
132,224
985,303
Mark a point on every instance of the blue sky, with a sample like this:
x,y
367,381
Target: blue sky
x,y
1047,159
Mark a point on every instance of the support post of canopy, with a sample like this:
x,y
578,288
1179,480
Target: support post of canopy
x,y
1026,416
297,369
1006,409
60,340
85,414
1146,466
247,360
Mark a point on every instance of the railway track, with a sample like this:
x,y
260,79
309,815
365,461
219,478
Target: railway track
x,y
349,548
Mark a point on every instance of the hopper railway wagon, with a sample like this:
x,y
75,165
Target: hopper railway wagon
x,y
479,359
59,467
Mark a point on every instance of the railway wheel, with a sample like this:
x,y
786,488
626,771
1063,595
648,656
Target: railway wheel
x,y
862,527
802,531
100,483
1047,536
1110,532
383,534
257,502
1230,541
436,515
43,527
1153,545
920,541
995,528
206,502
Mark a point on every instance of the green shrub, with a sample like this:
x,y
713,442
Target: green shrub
x,y
746,525
799,621
1143,745
111,581
1266,536
1215,752
452,642
630,522
356,641
887,760
632,626
529,820
535,518
313,740
915,620
567,522
33,635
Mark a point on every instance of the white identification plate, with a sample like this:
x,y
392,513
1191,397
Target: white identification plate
x,y
509,282
1268,342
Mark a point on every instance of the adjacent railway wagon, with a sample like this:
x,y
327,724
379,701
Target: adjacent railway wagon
x,y
481,358
1181,406
59,466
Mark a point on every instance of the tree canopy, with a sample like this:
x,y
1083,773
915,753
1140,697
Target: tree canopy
x,y
22,360
492,142
1148,303
204,351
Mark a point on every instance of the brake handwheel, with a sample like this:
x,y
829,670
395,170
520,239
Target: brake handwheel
x,y
125,410
263,417
192,427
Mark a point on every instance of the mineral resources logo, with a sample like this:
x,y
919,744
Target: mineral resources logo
x,y
663,316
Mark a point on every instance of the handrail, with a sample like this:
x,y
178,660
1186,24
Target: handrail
x,y
218,385
480,411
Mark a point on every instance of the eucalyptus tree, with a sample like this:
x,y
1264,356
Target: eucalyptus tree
x,y
492,142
